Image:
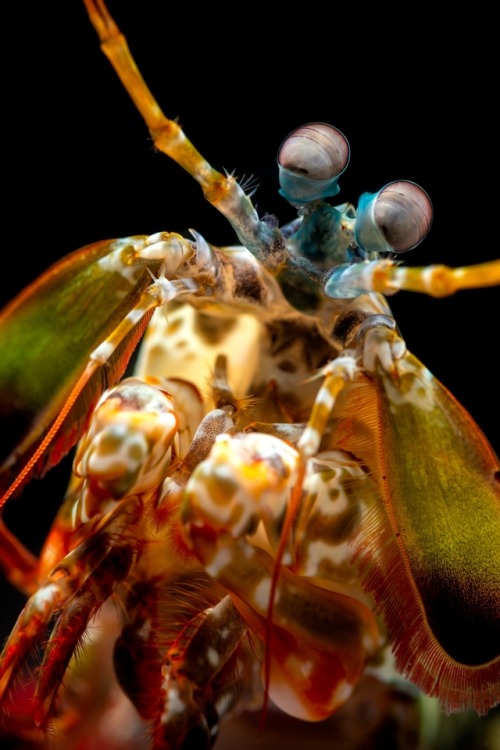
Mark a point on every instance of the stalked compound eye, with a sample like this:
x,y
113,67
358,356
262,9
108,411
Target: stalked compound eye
x,y
396,219
311,160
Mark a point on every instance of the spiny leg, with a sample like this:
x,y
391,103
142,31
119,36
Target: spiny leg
x,y
38,611
179,652
195,675
73,580
73,623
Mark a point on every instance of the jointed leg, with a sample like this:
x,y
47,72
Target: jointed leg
x,y
387,277
77,587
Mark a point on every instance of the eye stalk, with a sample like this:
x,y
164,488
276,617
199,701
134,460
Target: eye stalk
x,y
311,160
396,219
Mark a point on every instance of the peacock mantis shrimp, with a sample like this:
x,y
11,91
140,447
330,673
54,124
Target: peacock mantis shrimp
x,y
270,509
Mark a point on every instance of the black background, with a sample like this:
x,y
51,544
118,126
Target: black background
x,y
79,166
